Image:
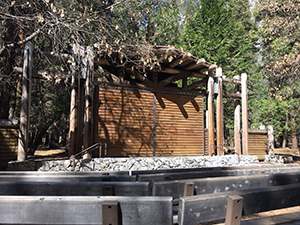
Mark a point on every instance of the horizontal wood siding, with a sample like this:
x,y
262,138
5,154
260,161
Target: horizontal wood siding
x,y
140,124
180,126
125,122
8,145
258,143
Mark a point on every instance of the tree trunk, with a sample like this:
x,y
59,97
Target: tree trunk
x,y
285,135
294,139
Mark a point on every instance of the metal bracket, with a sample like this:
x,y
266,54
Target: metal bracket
x,y
188,189
110,213
234,210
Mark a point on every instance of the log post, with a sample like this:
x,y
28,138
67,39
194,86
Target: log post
x,y
210,107
25,103
88,112
270,138
220,119
73,115
237,130
244,113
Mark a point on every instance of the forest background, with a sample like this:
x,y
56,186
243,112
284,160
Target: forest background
x,y
260,38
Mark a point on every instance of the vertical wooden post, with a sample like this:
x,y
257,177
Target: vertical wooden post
x,y
220,119
95,114
25,103
237,130
244,113
88,112
210,107
206,119
73,112
270,138
234,210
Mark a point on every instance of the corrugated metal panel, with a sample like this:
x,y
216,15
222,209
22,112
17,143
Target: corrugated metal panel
x,y
8,144
258,143
138,123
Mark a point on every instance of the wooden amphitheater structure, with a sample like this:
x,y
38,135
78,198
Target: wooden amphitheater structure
x,y
140,109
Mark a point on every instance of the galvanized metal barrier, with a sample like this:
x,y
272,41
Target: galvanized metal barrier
x,y
85,210
176,189
70,188
207,208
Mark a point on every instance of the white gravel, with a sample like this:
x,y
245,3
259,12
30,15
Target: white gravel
x,y
147,163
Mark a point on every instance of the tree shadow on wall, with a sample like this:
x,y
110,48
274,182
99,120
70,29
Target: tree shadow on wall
x,y
129,121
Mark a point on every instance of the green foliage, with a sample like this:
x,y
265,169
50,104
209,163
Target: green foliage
x,y
167,22
280,36
219,31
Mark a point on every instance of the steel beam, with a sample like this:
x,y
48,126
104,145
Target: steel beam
x,y
207,208
83,210
70,188
223,184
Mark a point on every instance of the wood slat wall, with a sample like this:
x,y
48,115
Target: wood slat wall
x,y
141,124
258,142
125,122
8,145
180,128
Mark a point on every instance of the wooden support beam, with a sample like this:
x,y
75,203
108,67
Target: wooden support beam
x,y
237,130
188,189
234,210
25,103
220,117
73,115
244,113
210,107
232,81
88,112
96,105
171,79
196,84
110,213
270,138
184,82
236,95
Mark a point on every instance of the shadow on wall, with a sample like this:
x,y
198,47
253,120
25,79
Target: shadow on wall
x,y
134,122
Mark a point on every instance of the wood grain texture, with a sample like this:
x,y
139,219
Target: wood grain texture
x,y
257,142
137,123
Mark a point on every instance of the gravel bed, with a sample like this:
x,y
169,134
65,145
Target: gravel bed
x,y
147,163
